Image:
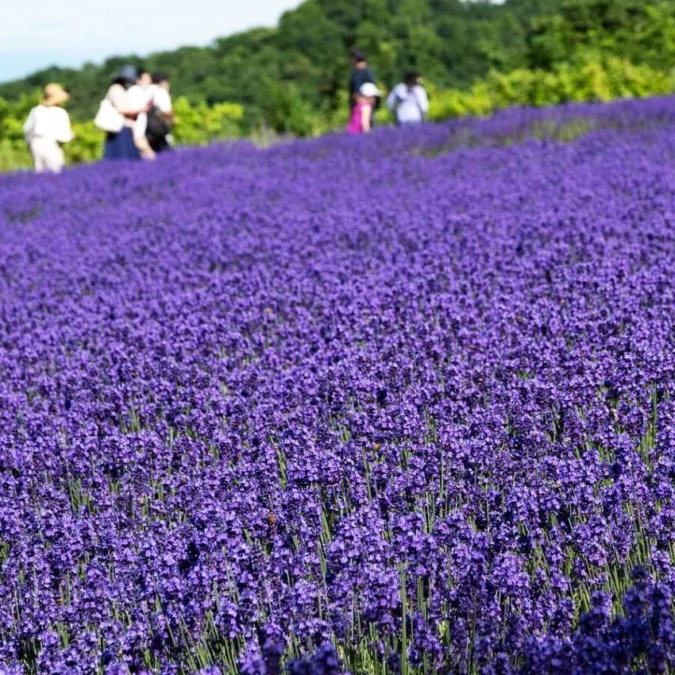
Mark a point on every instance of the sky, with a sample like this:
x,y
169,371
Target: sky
x,y
41,33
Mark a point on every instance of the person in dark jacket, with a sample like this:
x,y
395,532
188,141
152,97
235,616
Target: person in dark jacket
x,y
361,73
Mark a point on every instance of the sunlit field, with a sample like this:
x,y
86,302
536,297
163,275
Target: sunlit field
x,y
399,403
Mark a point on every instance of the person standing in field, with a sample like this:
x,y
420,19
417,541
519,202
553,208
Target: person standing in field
x,y
121,145
361,74
362,112
47,126
408,101
160,117
140,95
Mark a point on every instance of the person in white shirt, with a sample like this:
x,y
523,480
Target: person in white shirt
x,y
121,145
408,101
160,117
141,94
47,126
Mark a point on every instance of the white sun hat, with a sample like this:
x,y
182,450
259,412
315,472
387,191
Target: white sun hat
x,y
369,89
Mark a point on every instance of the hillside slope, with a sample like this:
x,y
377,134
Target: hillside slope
x,y
452,42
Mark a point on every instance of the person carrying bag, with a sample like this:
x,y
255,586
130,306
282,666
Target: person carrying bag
x,y
160,116
408,101
117,115
108,119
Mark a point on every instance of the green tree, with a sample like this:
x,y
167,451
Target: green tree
x,y
641,31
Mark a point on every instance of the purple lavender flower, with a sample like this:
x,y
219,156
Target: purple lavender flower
x,y
397,403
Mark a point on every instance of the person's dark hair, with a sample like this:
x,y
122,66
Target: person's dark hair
x,y
157,78
126,76
411,77
359,55
140,71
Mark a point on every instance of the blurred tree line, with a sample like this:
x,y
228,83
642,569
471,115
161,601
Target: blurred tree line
x,y
474,55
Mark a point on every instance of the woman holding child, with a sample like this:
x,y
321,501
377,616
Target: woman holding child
x,y
122,145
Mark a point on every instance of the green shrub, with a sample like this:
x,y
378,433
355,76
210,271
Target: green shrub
x,y
590,78
14,155
87,146
199,124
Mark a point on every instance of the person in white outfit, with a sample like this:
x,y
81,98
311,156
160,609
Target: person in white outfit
x,y
408,101
161,116
47,126
141,94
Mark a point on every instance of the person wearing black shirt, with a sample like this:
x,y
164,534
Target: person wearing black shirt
x,y
361,73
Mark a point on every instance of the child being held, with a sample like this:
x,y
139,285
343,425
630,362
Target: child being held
x,y
362,113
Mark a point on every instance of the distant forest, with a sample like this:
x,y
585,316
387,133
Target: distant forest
x,y
303,63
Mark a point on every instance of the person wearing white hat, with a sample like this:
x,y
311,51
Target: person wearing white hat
x,y
47,126
361,119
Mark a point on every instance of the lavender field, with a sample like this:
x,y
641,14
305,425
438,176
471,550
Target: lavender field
x,y
389,404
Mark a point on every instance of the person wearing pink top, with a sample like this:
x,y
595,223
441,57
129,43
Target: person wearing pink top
x,y
360,121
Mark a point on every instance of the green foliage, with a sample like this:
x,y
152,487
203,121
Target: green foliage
x,y
641,31
452,42
290,78
13,150
13,115
199,124
589,79
284,109
87,146
13,156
